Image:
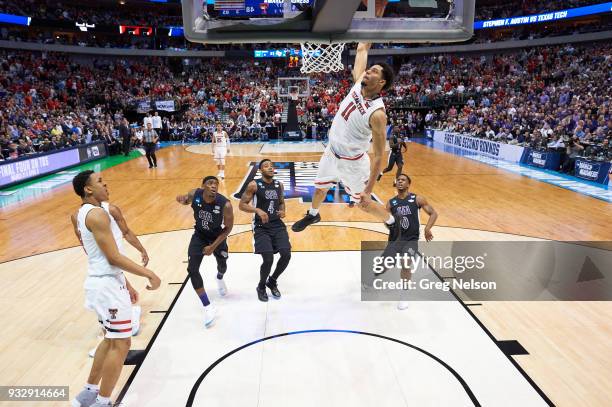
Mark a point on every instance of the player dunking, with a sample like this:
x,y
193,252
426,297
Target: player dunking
x,y
220,147
269,231
405,206
360,118
105,289
214,220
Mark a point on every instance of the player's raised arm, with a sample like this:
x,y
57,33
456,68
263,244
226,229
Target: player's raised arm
x,y
378,123
361,61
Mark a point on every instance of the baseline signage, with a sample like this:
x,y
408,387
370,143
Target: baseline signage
x,y
20,170
488,148
549,160
596,171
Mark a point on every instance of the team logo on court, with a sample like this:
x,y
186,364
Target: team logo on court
x,y
113,313
298,181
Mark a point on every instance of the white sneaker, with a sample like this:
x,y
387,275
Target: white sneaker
x,y
209,315
222,287
402,305
136,311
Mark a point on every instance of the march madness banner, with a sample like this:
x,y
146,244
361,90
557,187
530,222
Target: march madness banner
x,y
596,171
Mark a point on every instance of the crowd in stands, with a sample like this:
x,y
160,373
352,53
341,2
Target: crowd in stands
x,y
153,15
544,97
160,16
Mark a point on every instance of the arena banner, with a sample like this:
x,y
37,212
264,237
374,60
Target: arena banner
x,y
545,17
143,106
165,105
596,171
502,151
27,168
549,160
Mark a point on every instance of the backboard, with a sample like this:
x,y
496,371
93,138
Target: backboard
x,y
326,21
294,85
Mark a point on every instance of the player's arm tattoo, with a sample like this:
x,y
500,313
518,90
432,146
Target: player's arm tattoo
x,y
247,197
187,198
281,198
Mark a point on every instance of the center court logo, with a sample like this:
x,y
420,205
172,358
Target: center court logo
x,y
298,180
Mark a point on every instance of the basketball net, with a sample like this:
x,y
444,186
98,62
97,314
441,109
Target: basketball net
x,y
321,57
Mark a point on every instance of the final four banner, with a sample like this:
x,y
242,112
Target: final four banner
x,y
506,152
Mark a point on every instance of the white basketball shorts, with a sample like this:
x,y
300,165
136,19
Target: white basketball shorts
x,y
353,173
219,155
109,298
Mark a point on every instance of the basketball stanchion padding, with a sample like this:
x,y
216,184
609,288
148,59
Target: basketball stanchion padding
x,y
317,57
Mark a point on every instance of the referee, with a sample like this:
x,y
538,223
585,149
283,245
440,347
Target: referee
x,y
150,138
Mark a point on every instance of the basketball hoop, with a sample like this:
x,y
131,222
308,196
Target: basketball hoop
x,y
321,57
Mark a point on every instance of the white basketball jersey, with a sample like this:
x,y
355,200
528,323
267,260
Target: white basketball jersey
x,y
350,132
97,263
117,233
220,139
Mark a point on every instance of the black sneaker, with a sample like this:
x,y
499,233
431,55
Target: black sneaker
x,y
306,221
262,294
379,177
351,204
273,288
395,229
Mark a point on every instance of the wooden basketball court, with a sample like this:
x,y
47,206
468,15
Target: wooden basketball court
x,y
47,332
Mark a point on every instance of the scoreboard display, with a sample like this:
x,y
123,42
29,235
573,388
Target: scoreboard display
x,y
254,8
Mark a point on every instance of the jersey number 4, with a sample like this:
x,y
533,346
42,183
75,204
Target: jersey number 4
x,y
271,208
349,109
